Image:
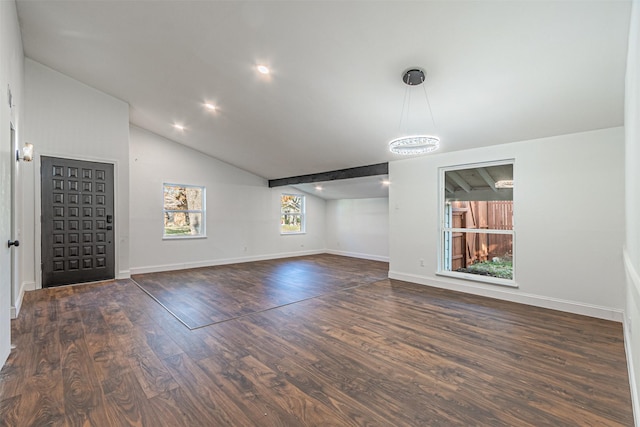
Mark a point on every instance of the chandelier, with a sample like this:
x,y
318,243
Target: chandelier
x,y
414,144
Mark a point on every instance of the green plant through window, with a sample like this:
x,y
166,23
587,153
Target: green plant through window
x,y
183,210
497,267
292,213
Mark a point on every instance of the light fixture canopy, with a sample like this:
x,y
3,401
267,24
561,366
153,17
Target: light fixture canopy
x,y
414,144
27,152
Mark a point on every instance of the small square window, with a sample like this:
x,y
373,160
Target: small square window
x,y
184,213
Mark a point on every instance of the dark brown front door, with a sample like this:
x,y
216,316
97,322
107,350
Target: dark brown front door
x,y
77,221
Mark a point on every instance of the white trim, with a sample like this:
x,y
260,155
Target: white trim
x,y
302,214
202,212
443,229
633,275
25,286
626,327
521,298
124,274
628,265
223,261
358,255
478,278
481,164
37,218
15,257
477,230
184,237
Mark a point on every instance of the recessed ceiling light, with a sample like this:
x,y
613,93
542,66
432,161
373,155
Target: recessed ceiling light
x,y
209,106
319,187
386,182
262,69
178,126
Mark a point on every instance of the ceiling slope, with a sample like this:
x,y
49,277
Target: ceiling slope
x,y
497,72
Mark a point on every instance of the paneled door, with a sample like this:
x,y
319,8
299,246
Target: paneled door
x,y
77,221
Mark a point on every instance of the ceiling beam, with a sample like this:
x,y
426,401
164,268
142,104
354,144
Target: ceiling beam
x,y
449,188
487,178
459,180
358,172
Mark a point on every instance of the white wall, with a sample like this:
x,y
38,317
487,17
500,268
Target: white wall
x,y
243,213
68,119
11,78
632,172
358,228
568,216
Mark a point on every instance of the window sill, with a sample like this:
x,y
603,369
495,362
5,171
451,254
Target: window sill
x,y
510,283
294,233
183,237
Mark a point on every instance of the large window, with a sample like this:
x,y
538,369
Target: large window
x,y
291,213
184,214
477,222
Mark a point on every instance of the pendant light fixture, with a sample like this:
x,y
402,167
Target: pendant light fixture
x,y
414,144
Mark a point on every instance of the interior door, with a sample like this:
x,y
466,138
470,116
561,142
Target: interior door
x,y
7,158
77,221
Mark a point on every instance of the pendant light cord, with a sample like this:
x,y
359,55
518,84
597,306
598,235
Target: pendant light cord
x,y
404,102
424,87
406,106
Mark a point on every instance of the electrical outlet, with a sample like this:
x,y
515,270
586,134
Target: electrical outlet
x,y
421,263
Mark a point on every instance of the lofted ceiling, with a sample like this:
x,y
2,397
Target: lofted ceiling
x,y
497,72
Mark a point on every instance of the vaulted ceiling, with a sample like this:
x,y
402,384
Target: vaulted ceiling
x,y
497,71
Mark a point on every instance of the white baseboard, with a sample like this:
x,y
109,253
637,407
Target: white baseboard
x,y
24,287
633,280
124,274
631,371
358,255
515,296
224,261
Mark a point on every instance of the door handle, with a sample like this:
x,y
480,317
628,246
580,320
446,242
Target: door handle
x,y
109,219
15,243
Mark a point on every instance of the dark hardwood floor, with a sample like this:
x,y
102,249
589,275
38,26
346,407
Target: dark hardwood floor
x,y
384,353
204,296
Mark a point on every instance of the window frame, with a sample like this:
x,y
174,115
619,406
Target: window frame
x,y
202,212
302,214
444,228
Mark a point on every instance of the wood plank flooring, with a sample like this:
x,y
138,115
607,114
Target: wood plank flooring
x,y
203,296
387,353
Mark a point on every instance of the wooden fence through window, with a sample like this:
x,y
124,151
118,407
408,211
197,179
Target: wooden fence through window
x,y
470,247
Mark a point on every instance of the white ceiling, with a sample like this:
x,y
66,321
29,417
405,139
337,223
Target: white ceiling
x,y
497,71
354,188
